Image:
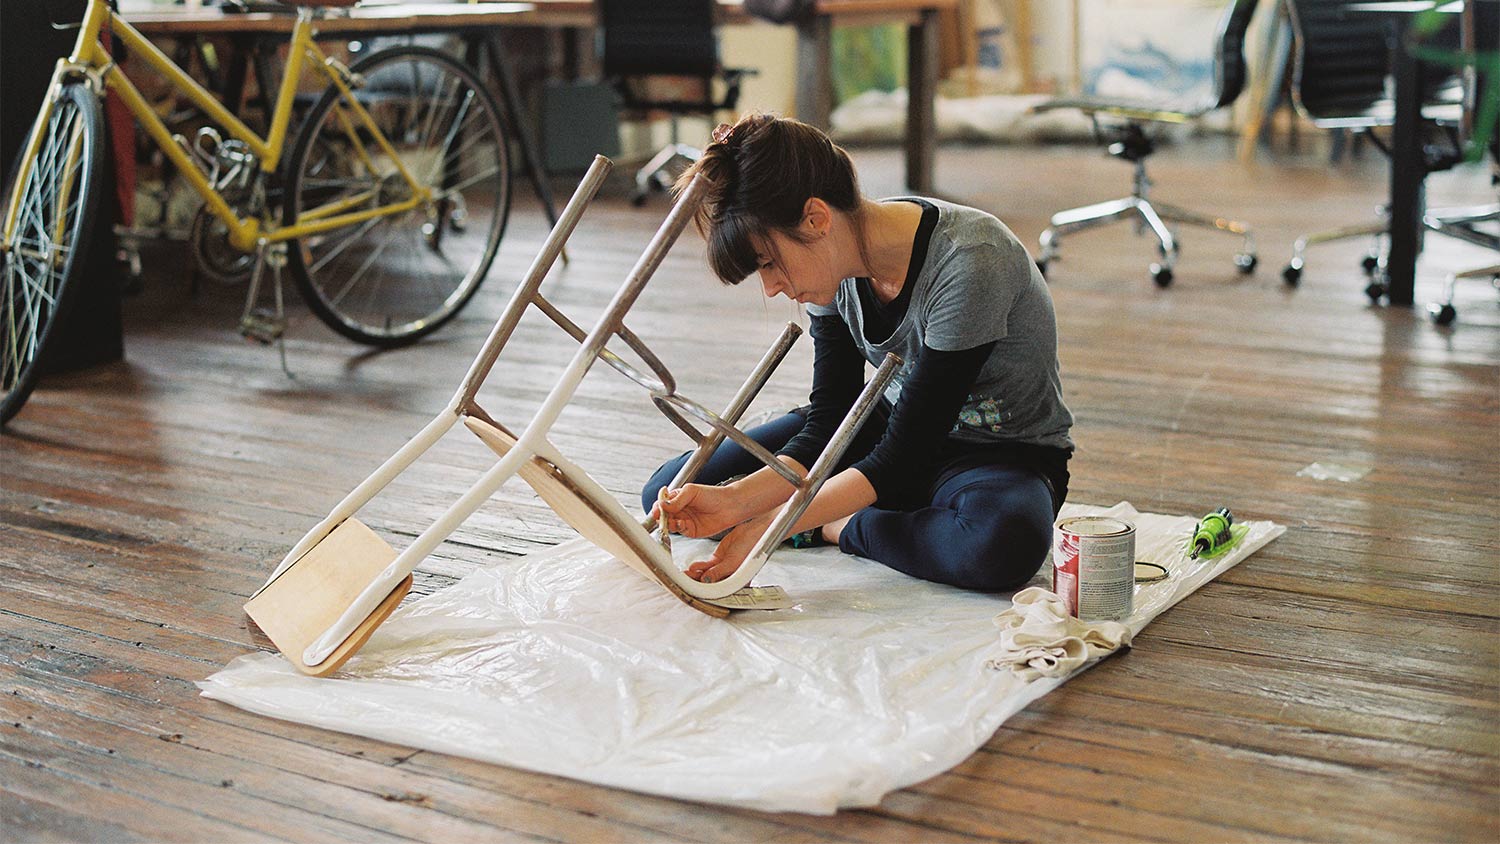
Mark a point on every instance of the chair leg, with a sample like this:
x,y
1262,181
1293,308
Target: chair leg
x,y
1443,313
655,173
1168,243
1459,223
1373,263
1079,219
1091,216
1245,260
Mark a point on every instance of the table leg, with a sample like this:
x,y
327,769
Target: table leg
x,y
510,101
921,89
234,75
1407,173
815,75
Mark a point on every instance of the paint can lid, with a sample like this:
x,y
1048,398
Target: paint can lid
x,y
1149,572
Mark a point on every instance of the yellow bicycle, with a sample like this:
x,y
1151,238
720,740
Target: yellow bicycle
x,y
388,210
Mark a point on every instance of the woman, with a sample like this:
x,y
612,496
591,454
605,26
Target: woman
x,y
959,473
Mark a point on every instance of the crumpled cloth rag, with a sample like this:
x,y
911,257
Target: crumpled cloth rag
x,y
1039,639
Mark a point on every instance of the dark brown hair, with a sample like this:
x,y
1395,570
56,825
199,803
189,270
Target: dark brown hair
x,y
762,171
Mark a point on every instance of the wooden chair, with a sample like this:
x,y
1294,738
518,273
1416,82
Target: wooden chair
x,y
340,581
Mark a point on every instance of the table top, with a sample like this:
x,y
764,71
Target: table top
x,y
379,17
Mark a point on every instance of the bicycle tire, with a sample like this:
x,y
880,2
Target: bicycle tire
x,y
397,306
38,270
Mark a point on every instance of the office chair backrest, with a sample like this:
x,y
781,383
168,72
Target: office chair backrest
x,y
1229,56
658,37
1342,58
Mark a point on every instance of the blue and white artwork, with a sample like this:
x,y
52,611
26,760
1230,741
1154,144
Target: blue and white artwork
x,y
1149,50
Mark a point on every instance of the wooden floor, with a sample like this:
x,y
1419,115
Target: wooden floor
x,y
1342,684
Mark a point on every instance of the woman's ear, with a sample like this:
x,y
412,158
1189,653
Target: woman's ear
x,y
817,217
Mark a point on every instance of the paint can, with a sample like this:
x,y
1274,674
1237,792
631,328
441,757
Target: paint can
x,y
1093,567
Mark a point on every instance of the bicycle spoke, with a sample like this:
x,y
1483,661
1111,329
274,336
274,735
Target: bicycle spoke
x,y
460,118
392,279
427,133
473,180
454,156
354,279
348,240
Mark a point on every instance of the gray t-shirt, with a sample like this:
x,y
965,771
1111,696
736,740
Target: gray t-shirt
x,y
978,285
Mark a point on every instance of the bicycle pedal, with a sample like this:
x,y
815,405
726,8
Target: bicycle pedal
x,y
262,327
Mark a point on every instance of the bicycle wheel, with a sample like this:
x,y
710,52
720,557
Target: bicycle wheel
x,y
55,195
391,280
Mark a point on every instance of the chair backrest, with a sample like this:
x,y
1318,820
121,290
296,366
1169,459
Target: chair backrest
x,y
1342,59
658,37
1229,52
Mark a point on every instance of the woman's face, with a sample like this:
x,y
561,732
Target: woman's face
x,y
802,272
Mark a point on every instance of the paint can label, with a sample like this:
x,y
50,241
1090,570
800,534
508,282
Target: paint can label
x,y
1093,567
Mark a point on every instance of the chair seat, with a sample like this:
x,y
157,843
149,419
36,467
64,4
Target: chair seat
x,y
1364,113
730,76
1157,112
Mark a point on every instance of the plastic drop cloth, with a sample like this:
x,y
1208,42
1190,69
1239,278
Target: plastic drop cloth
x,y
567,662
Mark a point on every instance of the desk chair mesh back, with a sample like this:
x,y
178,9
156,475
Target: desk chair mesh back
x,y
1131,143
1340,66
1340,81
641,39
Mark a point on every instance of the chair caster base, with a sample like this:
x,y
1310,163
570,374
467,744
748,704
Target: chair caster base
x,y
1291,274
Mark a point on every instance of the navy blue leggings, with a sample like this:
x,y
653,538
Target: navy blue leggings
x,y
986,527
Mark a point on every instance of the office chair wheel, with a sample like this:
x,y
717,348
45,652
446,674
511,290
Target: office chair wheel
x,y
1375,290
1041,266
1291,274
1161,275
1370,263
1245,262
1442,314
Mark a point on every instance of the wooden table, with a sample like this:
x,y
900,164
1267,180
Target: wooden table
x,y
814,37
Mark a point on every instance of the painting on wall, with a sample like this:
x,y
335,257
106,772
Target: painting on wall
x,y
1148,50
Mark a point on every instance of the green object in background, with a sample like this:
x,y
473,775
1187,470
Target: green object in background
x,y
1486,64
868,58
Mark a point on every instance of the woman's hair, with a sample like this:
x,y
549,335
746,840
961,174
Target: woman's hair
x,y
762,170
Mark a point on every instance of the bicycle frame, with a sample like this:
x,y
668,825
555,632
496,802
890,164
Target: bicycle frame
x,y
93,61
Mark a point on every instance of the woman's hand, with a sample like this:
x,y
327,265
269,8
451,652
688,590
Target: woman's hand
x,y
732,551
696,510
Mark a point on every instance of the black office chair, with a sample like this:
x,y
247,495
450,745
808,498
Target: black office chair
x,y
1342,61
1131,143
645,39
1479,36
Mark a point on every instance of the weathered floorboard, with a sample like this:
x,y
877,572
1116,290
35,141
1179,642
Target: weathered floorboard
x,y
1343,684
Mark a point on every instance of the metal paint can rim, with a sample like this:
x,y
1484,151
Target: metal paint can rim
x,y
1105,526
